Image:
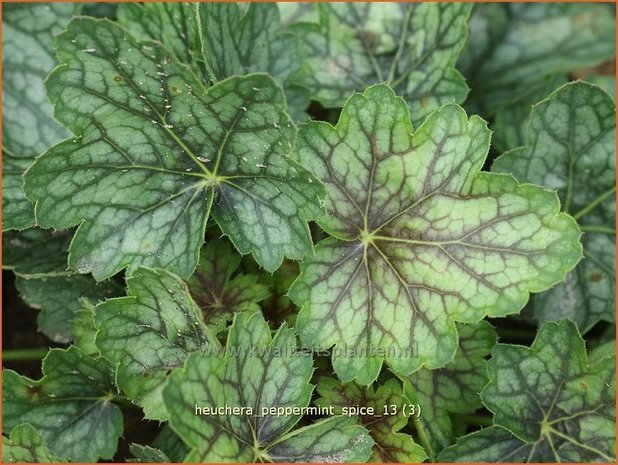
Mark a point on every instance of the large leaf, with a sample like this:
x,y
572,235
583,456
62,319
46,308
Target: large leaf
x,y
256,372
155,154
25,444
60,298
149,333
411,46
571,147
452,389
552,403
390,445
217,293
70,406
513,46
27,124
421,237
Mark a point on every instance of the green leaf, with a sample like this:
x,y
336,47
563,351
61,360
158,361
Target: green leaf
x,y
25,444
50,258
70,406
147,454
172,24
216,293
256,371
170,444
27,124
278,308
84,330
60,298
495,444
548,393
17,210
149,333
453,389
513,46
155,154
201,35
27,58
390,445
570,147
421,237
510,124
410,46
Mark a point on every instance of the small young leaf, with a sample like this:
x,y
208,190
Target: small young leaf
x,y
452,389
25,444
70,406
155,154
59,298
216,293
570,147
410,46
149,333
390,446
256,371
513,46
421,237
549,394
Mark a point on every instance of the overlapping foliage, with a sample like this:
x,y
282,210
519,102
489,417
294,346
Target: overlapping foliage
x,y
284,210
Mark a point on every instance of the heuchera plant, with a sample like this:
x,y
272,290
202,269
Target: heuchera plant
x,y
285,232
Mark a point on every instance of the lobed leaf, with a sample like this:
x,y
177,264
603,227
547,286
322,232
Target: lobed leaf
x,y
155,154
60,298
27,124
513,47
149,333
410,46
50,258
256,371
421,237
219,295
570,147
70,406
25,444
390,445
453,389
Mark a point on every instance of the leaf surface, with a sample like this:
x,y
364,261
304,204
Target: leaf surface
x,y
256,371
25,444
410,46
217,288
453,389
70,406
571,147
50,258
421,237
149,333
27,44
514,46
27,124
155,154
390,445
60,298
